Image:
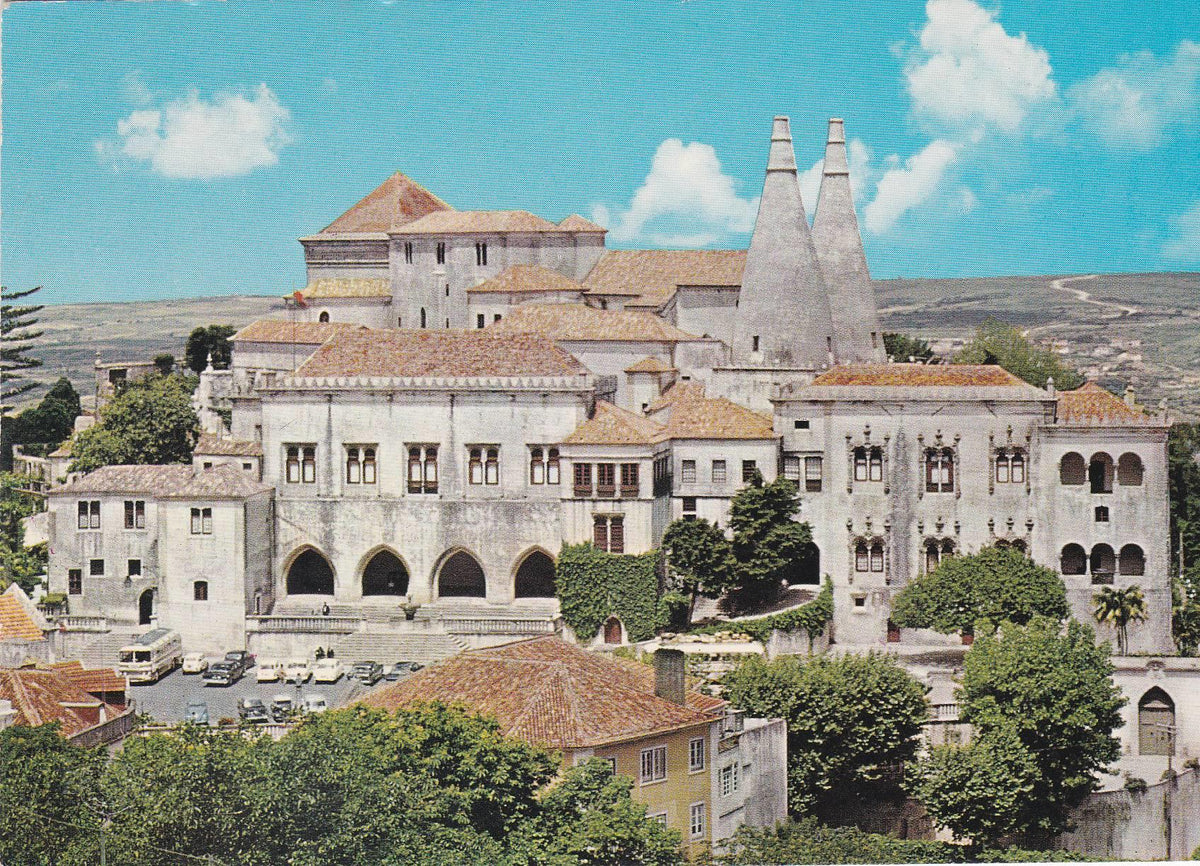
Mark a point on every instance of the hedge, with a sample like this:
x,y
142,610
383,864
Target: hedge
x,y
594,585
811,618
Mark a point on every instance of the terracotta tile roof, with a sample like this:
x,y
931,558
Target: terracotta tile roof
x,y
684,389
651,276
175,481
576,223
693,416
93,681
38,696
219,446
920,375
548,692
19,619
395,202
284,331
472,221
348,287
611,425
528,278
1091,404
581,322
649,364
457,354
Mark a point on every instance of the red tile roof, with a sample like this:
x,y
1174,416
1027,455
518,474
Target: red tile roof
x,y
219,446
528,278
38,695
691,415
478,221
611,425
455,354
174,481
576,223
348,287
19,619
649,364
651,276
93,681
1090,405
920,376
395,202
548,692
581,322
284,331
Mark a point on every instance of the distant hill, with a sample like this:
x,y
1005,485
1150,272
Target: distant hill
x,y
1139,329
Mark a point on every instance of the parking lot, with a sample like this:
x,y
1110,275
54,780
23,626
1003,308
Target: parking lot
x,y
167,699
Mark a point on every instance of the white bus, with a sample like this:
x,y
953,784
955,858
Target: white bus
x,y
150,656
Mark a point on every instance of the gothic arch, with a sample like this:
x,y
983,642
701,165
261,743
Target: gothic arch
x,y
309,572
382,571
534,577
460,575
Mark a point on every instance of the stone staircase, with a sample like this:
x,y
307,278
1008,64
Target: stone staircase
x,y
102,651
423,647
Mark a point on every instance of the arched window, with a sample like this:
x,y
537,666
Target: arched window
x,y
324,317
939,470
808,570
200,590
1103,563
868,464
860,464
1129,470
461,575
1010,466
862,557
535,577
385,574
1072,470
1156,723
310,574
146,607
422,317
1019,544
933,556
877,557
1073,560
1100,473
1132,560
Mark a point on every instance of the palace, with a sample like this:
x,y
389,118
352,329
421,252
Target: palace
x,y
456,394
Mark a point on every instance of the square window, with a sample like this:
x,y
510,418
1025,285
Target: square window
x,y
696,822
730,780
689,508
200,590
812,474
791,467
860,601
696,755
654,764
96,568
75,581
749,467
135,568
718,472
687,472
801,424
1102,514
480,320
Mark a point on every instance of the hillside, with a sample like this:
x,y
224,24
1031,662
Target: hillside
x,y
1139,329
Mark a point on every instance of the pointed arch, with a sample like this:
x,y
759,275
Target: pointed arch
x,y
382,572
535,577
309,572
459,575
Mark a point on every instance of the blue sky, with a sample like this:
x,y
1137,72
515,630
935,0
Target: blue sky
x,y
175,149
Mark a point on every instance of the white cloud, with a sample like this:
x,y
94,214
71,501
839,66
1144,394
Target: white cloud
x,y
686,200
1184,246
1133,103
135,89
968,71
194,138
862,174
903,188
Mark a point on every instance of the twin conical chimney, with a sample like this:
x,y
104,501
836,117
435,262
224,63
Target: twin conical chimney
x,y
856,333
783,318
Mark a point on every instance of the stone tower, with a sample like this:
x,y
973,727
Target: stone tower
x,y
857,337
782,319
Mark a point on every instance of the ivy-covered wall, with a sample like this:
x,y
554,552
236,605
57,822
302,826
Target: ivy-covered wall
x,y
594,585
811,618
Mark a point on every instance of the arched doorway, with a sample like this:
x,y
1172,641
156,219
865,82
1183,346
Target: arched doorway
x,y
612,630
461,576
310,574
146,607
1156,723
808,568
535,577
385,574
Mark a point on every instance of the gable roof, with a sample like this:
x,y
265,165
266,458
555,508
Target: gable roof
x,y
1090,405
691,415
395,202
284,331
348,287
920,376
446,353
680,390
220,446
173,481
528,278
19,619
94,681
612,425
548,692
477,221
651,276
649,364
576,223
581,322
41,696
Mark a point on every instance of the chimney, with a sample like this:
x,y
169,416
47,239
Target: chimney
x,y
8,715
1130,397
669,676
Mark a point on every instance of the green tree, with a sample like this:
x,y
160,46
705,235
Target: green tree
x,y
809,842
769,545
902,348
16,338
996,584
699,559
214,341
998,343
165,364
849,719
977,791
1051,686
148,421
1120,607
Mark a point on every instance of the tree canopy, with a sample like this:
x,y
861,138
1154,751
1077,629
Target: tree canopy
x,y
1119,607
17,336
699,558
998,343
849,719
996,584
148,421
769,545
1183,474
214,341
902,348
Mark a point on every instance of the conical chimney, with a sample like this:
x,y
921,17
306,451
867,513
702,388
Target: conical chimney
x,y
856,333
782,319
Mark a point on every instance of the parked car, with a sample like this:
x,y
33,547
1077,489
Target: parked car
x,y
298,671
327,671
269,671
197,713
223,673
313,704
253,710
399,669
245,658
282,707
367,673
194,663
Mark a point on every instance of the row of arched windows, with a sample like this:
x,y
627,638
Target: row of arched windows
x,y
1100,471
1102,563
458,575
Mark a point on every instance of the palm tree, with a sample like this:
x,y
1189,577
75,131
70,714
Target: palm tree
x,y
1120,607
